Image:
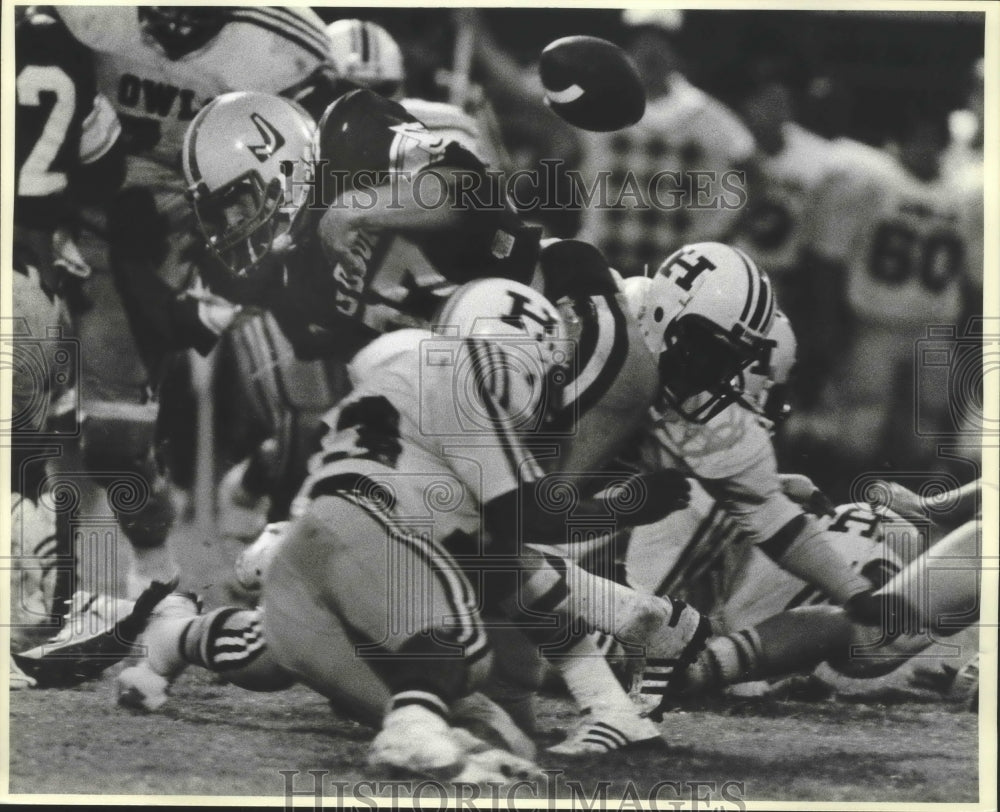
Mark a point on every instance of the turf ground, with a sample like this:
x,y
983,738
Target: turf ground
x,y
216,739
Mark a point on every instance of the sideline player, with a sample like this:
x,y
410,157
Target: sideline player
x,y
888,260
67,146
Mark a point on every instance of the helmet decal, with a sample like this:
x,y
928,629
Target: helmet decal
x,y
272,139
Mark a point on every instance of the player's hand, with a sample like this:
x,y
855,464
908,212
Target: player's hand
x,y
344,241
801,490
69,272
896,497
647,498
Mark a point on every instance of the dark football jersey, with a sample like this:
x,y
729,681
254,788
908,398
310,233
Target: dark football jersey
x,y
60,122
363,140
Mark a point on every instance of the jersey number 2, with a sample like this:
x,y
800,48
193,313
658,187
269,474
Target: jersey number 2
x,y
36,84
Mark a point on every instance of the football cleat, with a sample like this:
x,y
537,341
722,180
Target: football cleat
x,y
611,732
145,686
966,686
98,632
416,740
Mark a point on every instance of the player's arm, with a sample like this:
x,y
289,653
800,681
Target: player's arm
x,y
793,538
101,167
430,198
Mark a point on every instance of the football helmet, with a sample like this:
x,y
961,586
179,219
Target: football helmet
x,y
367,55
248,164
706,316
517,347
181,30
765,384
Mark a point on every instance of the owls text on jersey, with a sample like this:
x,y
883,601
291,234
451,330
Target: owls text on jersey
x,y
156,97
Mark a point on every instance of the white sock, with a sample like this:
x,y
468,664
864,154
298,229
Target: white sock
x,y
590,681
611,607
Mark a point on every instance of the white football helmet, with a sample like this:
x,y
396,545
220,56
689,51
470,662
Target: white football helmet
x,y
248,163
706,315
517,350
366,54
765,384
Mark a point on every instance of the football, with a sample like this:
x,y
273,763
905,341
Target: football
x,y
592,84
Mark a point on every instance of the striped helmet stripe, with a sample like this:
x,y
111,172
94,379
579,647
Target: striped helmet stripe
x,y
751,284
366,53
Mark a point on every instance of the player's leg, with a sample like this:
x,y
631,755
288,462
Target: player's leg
x,y
533,592
933,597
382,623
119,429
43,426
228,641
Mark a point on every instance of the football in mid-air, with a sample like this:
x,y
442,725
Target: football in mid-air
x,y
592,83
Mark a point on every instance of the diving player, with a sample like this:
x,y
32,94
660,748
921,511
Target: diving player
x,y
396,461
385,263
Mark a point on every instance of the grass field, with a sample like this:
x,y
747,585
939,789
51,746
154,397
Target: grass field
x,y
216,739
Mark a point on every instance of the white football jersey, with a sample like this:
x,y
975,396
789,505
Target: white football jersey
x,y
424,439
902,242
732,456
264,49
772,231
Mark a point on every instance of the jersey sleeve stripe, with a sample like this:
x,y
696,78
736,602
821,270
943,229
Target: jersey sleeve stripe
x,y
294,19
276,26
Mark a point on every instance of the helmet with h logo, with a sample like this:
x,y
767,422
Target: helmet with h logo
x,y
706,315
